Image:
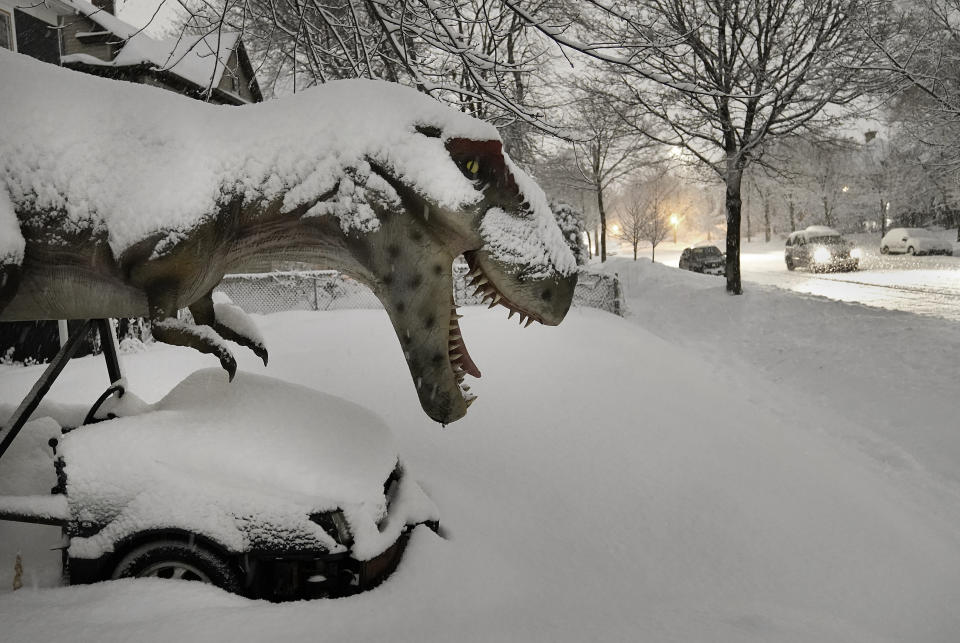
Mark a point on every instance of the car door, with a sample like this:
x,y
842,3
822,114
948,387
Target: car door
x,y
901,240
800,250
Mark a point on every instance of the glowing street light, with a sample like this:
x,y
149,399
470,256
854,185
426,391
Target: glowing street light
x,y
674,221
615,229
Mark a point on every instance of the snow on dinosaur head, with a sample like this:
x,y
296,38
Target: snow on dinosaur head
x,y
145,199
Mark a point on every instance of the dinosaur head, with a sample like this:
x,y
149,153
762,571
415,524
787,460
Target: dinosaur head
x,y
513,247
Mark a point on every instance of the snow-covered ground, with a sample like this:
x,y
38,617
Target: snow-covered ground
x,y
923,285
772,467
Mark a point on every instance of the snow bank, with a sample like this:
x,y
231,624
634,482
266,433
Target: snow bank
x,y
131,161
608,485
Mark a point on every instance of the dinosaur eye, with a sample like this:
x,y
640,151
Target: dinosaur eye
x,y
473,166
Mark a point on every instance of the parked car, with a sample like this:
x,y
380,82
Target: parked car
x,y
820,248
705,259
914,241
261,487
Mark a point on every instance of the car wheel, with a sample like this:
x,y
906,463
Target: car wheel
x,y
790,265
181,560
884,250
911,251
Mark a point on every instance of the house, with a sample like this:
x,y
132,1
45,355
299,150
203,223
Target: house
x,y
87,37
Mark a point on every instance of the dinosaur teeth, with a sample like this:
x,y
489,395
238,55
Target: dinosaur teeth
x,y
454,337
529,321
522,317
455,356
512,313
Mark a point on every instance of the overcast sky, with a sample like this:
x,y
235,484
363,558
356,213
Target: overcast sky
x,y
140,12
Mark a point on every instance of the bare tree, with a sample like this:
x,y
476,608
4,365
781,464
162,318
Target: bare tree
x,y
645,211
722,77
608,152
477,54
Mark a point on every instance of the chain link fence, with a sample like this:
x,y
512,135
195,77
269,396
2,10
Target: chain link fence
x,y
330,290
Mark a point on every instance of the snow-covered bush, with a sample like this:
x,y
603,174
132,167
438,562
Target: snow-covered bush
x,y
571,225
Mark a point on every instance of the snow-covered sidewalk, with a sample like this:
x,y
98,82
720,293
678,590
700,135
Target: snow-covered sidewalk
x,y
707,469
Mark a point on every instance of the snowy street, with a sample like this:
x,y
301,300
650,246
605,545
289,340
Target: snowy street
x,y
926,285
708,468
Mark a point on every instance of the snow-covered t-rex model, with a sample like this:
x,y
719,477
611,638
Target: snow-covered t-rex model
x,y
123,200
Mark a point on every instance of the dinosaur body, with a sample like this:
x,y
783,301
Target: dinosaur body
x,y
142,201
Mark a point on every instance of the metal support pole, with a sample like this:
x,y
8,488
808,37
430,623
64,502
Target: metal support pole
x,y
33,398
108,344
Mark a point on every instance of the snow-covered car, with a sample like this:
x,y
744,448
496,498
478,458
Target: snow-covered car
x,y
264,488
820,248
705,259
914,241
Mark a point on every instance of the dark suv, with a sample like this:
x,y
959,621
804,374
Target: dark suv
x,y
705,259
820,248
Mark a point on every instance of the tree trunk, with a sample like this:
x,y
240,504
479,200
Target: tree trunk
x,y
734,205
589,245
883,220
603,225
653,253
793,220
634,250
766,220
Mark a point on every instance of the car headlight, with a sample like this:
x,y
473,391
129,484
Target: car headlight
x,y
856,253
821,255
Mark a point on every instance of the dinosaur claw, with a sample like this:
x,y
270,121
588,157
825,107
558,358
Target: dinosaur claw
x,y
229,365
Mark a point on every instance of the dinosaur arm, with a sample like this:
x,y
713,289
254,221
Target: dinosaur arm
x,y
166,328
230,322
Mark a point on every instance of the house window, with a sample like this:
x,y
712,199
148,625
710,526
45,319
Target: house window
x,y
6,30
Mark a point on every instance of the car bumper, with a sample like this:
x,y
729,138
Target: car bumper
x,y
838,265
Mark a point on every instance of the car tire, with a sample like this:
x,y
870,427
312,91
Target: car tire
x,y
176,559
790,266
911,251
884,250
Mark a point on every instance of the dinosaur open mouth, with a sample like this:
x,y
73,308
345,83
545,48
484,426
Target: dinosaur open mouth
x,y
486,289
460,360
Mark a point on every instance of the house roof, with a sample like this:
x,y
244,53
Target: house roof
x,y
198,59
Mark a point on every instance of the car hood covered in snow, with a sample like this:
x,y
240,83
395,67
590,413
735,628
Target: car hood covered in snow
x,y
244,463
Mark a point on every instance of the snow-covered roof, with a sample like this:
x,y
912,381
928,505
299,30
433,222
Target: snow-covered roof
x,y
134,161
198,59
821,229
